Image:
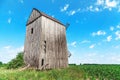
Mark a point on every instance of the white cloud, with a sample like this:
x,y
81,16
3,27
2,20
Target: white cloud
x,y
97,9
95,57
99,33
92,46
65,8
74,59
92,9
91,54
72,12
74,44
109,38
90,58
98,58
114,58
111,28
110,4
85,41
107,4
8,52
7,47
118,26
100,2
117,33
9,20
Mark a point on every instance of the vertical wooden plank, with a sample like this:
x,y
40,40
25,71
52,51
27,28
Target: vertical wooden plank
x,y
47,44
59,46
49,62
55,44
62,48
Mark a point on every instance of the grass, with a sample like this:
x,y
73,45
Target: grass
x,y
58,74
80,72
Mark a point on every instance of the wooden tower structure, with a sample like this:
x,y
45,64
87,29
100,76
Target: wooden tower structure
x,y
45,44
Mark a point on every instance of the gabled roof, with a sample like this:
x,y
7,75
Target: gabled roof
x,y
36,14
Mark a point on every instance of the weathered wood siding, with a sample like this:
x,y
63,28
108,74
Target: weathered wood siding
x,y
54,34
34,15
47,45
32,44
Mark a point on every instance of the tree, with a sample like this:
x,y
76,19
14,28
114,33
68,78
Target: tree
x,y
17,62
1,63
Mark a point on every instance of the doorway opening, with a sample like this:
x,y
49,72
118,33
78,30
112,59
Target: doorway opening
x,y
42,62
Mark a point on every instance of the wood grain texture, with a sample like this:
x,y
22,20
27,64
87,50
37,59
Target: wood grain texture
x,y
48,43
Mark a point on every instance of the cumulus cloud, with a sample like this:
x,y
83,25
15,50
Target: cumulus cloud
x,y
97,9
65,8
74,59
98,58
90,58
91,54
98,6
111,28
114,58
9,52
92,46
74,44
118,26
93,9
7,47
100,2
111,4
117,33
72,12
85,41
9,20
109,38
107,4
99,33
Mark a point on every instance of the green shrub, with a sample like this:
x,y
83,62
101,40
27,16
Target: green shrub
x,y
1,63
17,62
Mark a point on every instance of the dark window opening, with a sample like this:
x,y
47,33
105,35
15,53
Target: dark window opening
x,y
42,62
45,46
45,42
32,31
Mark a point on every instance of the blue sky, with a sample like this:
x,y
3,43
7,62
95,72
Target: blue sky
x,y
93,35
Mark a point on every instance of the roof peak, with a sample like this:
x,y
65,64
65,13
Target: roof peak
x,y
48,16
